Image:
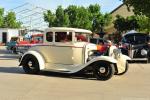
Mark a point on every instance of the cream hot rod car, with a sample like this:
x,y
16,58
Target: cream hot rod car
x,y
67,50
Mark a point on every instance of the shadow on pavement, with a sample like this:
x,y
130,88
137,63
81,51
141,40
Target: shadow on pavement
x,y
19,70
6,57
88,76
16,70
140,62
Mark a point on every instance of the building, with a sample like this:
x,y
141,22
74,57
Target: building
x,y
122,11
6,34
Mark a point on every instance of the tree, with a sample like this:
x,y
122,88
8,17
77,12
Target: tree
x,y
49,17
99,20
78,17
10,21
125,24
1,17
144,23
139,6
82,18
72,11
62,18
120,23
132,23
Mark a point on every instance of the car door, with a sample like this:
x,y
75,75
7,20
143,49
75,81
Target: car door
x,y
58,49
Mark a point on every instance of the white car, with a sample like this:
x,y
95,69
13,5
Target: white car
x,y
67,50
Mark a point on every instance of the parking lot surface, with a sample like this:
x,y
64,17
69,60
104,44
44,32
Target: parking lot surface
x,y
16,85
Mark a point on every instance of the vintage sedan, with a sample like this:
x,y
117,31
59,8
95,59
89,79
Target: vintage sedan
x,y
136,46
67,50
24,45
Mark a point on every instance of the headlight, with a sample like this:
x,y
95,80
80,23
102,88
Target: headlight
x,y
143,52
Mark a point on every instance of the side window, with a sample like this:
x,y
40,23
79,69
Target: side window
x,y
82,37
49,36
63,36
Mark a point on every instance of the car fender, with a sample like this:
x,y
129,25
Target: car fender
x,y
38,56
126,57
121,63
103,58
94,60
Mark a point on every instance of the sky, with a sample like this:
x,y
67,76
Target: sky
x,y
106,5
25,13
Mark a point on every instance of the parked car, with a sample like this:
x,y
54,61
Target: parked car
x,y
11,46
67,50
136,46
23,46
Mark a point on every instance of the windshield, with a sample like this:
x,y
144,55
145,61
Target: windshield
x,y
94,41
136,38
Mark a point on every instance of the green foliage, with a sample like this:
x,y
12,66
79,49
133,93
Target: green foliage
x,y
144,23
136,22
78,17
125,24
61,19
9,20
120,23
1,16
140,6
72,12
142,9
49,17
99,20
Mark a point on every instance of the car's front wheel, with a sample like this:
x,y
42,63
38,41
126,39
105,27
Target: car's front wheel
x,y
30,64
103,70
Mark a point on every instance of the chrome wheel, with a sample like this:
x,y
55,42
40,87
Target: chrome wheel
x,y
30,64
102,70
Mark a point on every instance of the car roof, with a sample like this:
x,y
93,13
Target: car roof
x,y
60,29
134,34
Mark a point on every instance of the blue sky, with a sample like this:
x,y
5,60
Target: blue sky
x,y
106,5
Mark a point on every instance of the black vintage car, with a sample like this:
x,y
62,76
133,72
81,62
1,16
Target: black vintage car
x,y
136,46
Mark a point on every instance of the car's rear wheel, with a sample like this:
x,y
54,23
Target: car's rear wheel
x,y
103,70
30,64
